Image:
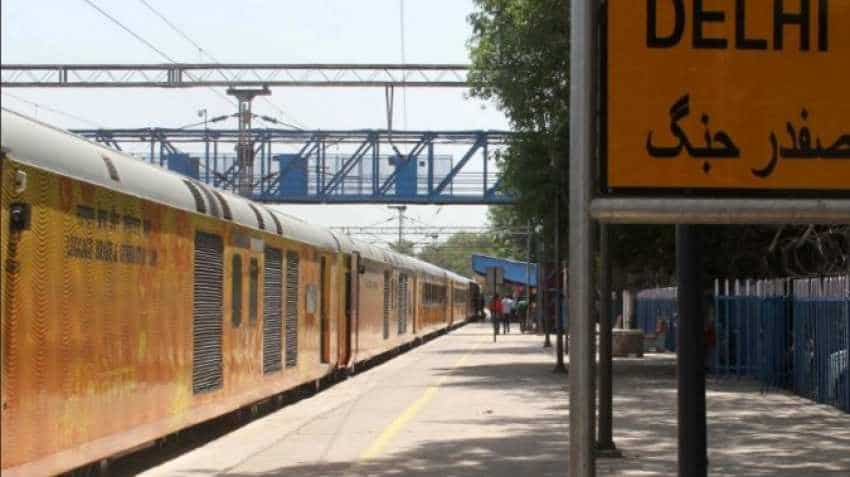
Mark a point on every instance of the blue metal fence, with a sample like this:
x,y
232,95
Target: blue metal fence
x,y
790,334
822,341
787,334
651,311
654,307
752,338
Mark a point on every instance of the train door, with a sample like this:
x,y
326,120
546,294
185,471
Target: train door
x,y
415,302
353,310
344,328
4,233
450,294
351,294
15,217
470,300
324,302
5,267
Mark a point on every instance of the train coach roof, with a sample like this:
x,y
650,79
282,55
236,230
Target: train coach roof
x,y
348,244
43,146
32,142
457,278
308,233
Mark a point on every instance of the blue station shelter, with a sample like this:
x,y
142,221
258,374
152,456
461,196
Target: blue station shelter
x,y
516,273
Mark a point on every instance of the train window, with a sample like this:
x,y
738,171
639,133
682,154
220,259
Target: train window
x,y
441,295
291,308
459,296
311,299
236,290
253,291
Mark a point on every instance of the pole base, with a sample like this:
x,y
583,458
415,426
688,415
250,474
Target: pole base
x,y
560,368
608,451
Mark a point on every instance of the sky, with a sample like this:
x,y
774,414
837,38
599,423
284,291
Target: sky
x,y
254,31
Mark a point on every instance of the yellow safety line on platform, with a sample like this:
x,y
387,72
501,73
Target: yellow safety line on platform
x,y
399,422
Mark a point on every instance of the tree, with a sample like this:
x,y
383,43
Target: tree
x,y
455,253
405,247
509,230
520,60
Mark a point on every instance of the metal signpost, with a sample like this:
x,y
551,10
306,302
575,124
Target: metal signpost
x,y
708,113
495,278
583,54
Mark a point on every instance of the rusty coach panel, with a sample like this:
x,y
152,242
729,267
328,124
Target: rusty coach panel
x,y
92,275
130,312
121,344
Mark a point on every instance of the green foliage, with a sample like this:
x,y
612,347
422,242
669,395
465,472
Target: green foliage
x,y
509,230
520,60
455,253
643,255
405,247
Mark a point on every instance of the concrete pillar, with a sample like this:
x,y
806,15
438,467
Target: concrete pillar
x,y
629,297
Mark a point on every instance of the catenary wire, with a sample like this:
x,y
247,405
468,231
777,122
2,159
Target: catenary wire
x,y
150,45
215,60
53,110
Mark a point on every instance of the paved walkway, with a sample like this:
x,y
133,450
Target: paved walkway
x,y
463,406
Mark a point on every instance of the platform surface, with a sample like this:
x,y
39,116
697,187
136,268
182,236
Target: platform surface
x,y
461,405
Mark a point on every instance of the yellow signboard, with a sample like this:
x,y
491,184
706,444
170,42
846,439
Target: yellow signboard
x,y
743,95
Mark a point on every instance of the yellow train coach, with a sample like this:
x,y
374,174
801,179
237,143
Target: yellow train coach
x,y
137,302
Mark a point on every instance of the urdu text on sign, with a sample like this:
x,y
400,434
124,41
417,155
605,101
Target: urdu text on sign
x,y
728,95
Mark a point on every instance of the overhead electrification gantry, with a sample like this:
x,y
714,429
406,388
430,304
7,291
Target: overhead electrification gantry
x,y
283,165
188,75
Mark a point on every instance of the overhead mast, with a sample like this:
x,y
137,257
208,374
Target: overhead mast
x,y
245,146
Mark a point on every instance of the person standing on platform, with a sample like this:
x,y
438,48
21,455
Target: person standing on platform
x,y
479,308
522,314
507,312
495,313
